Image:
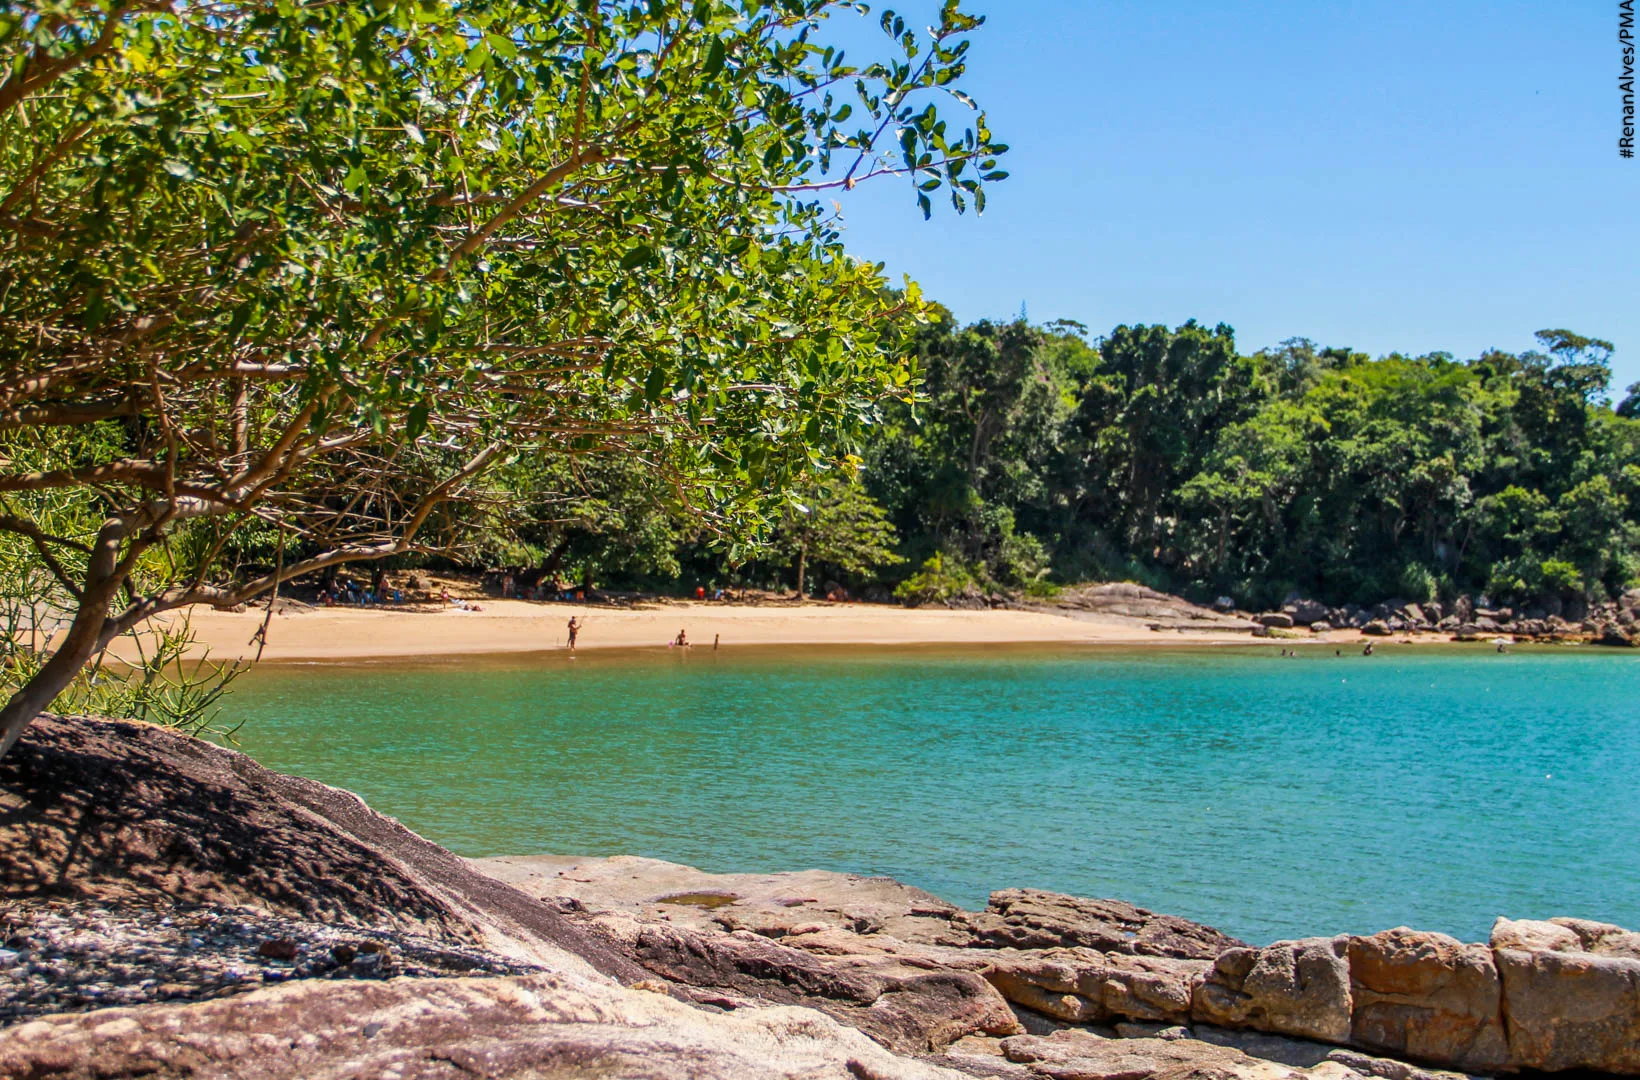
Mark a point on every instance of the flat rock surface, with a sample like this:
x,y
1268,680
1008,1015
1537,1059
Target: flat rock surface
x,y
773,905
1035,919
538,1027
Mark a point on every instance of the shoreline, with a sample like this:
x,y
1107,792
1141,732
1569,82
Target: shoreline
x,y
518,626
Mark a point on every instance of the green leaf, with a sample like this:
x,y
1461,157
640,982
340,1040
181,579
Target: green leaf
x,y
641,255
416,422
715,58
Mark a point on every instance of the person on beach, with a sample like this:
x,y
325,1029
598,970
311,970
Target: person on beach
x,y
1368,650
681,641
715,639
574,629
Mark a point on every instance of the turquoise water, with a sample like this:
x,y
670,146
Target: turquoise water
x,y
1270,797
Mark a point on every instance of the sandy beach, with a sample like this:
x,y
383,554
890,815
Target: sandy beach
x,y
505,626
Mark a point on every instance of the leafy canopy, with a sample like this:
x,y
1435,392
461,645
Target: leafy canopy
x,y
307,270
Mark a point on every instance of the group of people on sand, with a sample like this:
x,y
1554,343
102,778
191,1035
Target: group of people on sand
x,y
680,642
345,590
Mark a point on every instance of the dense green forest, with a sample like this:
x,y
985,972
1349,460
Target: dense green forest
x,y
1037,456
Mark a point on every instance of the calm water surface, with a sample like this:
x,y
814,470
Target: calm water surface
x,y
1270,797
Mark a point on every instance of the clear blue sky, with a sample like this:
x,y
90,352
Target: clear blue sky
x,y
1386,176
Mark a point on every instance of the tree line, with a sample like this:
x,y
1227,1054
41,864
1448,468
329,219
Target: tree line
x,y
1038,456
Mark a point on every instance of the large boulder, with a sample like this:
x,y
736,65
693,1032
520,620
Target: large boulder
x,y
1613,635
1305,612
1427,997
115,811
1274,620
1082,986
1568,1008
1299,988
1033,919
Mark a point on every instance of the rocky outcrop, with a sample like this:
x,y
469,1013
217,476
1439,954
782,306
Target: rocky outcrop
x,y
121,811
905,1002
1306,612
1032,919
1569,1006
1427,997
1299,988
281,928
1422,999
516,1028
1143,607
1083,986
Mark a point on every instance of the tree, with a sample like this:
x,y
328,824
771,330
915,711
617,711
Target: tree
x,y
314,268
836,524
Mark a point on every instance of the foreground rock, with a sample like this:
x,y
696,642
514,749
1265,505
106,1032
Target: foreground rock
x,y
71,955
1299,988
280,928
1033,919
1427,997
1572,992
538,1027
117,811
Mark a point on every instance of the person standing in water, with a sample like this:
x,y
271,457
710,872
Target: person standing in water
x,y
574,630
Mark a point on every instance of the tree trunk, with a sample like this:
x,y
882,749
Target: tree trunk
x,y
550,565
802,566
84,638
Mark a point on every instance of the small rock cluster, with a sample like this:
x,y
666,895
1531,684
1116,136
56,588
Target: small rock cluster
x,y
67,956
1469,619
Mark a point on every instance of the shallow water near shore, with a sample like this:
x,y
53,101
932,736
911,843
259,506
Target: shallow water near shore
x,y
1436,787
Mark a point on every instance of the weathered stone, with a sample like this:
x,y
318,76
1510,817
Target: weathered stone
x,y
1144,1029
1603,939
1571,1010
1376,628
906,1003
1530,935
1614,636
1081,1055
1320,627
1387,1068
1428,997
278,949
1278,620
116,810
1297,988
517,1028
1283,1049
1032,919
1084,986
1305,612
